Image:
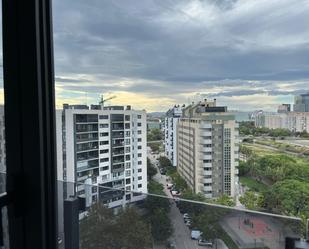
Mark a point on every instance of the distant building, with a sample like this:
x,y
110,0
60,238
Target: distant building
x,y
154,123
208,149
170,136
104,151
301,103
284,108
293,121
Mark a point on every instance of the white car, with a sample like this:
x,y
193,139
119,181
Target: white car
x,y
196,234
169,185
186,216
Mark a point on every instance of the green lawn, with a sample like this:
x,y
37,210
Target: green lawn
x,y
253,184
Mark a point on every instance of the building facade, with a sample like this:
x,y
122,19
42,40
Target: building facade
x,y
103,150
170,137
293,121
208,149
301,103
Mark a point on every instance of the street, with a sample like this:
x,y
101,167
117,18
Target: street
x,y
182,234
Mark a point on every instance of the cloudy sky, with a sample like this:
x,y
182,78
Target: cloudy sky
x,y
152,54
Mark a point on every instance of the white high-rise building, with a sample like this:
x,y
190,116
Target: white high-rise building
x,y
293,121
170,123
208,149
103,150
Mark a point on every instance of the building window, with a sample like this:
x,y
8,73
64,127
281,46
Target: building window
x,y
139,116
128,157
139,162
127,126
139,185
102,160
104,151
128,165
139,178
139,132
103,116
139,140
128,181
139,170
103,125
139,147
103,134
127,117
103,142
139,155
103,169
139,124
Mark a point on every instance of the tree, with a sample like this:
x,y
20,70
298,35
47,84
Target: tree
x,y
158,209
225,200
252,200
155,147
132,230
102,229
154,135
289,197
165,162
151,169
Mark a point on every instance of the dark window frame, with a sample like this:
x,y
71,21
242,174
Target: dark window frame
x,y
28,73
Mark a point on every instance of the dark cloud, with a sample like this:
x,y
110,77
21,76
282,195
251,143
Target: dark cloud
x,y
172,47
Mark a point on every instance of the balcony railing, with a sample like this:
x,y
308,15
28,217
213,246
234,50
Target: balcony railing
x,y
113,211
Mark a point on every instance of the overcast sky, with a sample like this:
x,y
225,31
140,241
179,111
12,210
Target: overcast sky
x,y
152,54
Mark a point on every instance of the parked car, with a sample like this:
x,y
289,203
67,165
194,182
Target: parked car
x,y
175,193
186,215
169,185
204,242
188,223
196,234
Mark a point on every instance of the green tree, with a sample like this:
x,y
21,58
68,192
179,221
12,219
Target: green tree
x,y
252,200
102,229
155,147
289,197
151,169
154,135
165,162
225,200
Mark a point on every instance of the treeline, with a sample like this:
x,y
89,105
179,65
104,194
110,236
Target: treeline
x,y
247,128
288,180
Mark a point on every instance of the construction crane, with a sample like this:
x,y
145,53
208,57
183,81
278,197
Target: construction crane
x,y
102,101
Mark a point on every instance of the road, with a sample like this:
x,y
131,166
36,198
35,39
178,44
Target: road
x,y
182,233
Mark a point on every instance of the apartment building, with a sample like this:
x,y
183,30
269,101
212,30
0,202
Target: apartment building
x,y
208,149
170,138
103,150
301,103
293,121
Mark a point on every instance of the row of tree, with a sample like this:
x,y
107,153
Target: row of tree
x,y
248,128
288,180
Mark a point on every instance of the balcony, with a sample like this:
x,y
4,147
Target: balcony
x,y
206,133
206,149
206,157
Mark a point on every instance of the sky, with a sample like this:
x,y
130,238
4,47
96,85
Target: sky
x,y
153,54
